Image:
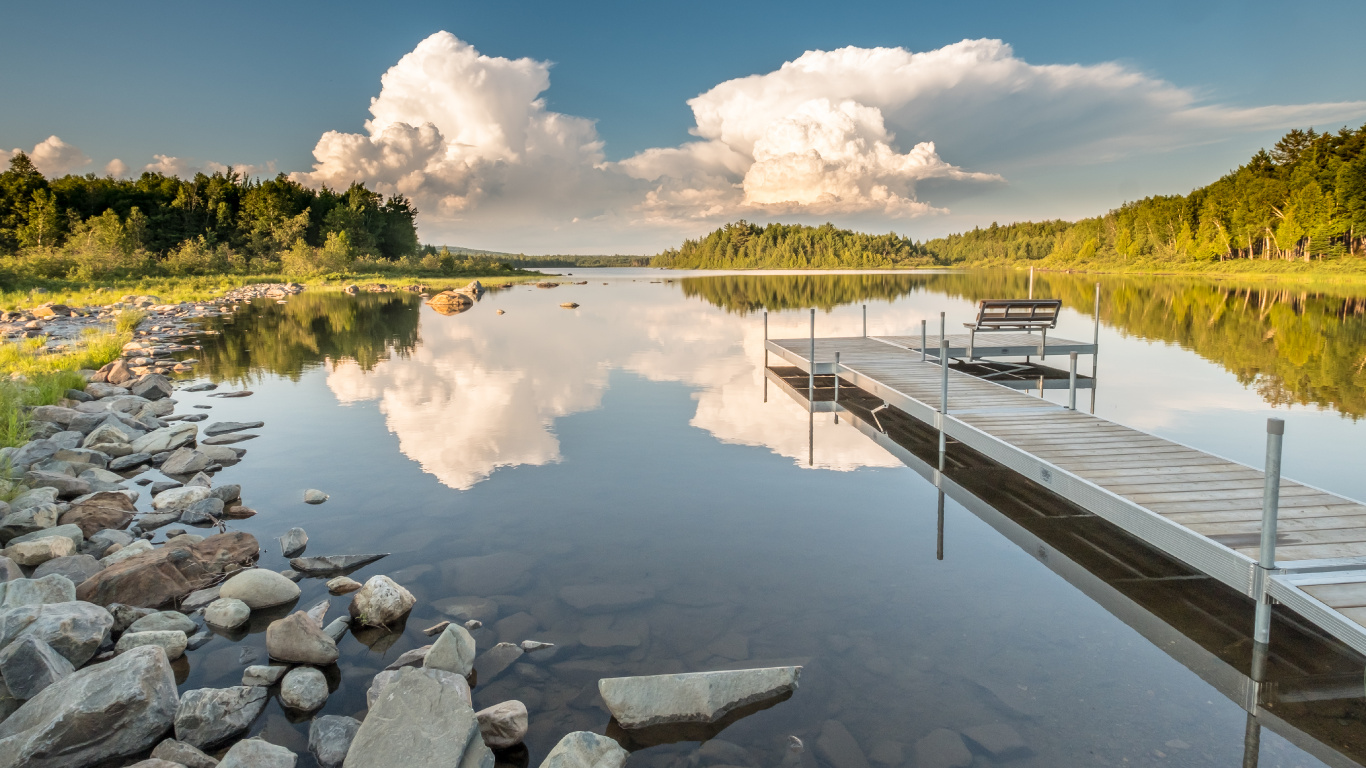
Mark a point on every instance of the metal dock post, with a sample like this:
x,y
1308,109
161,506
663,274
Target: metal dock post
x,y
924,342
811,369
837,387
1072,383
765,355
1271,497
943,395
865,321
1095,349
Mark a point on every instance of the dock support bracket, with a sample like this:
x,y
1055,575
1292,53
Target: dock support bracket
x,y
1271,494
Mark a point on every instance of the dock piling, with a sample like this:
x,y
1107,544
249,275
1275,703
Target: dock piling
x,y
943,394
943,334
865,321
837,386
1071,382
1095,349
1271,495
766,355
924,342
811,373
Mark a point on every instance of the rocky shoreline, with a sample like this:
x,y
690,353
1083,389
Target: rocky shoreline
x,y
101,598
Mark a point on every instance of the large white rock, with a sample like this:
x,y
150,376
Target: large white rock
x,y
227,612
419,721
179,498
39,551
259,588
381,602
171,641
583,749
503,725
693,697
255,753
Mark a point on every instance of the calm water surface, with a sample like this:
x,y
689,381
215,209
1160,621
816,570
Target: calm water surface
x,y
507,456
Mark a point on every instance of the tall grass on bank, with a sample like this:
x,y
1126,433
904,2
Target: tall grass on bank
x,y
36,377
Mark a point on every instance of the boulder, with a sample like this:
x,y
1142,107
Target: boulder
x,y
173,751
329,739
999,740
583,749
453,651
259,588
694,697
304,689
227,492
383,678
74,629
164,621
71,532
39,551
9,570
203,512
503,725
26,521
52,588
74,568
162,576
418,721
33,452
165,439
68,487
101,713
174,499
331,563
255,753
152,386
208,717
172,642
185,461
129,461
381,602
29,665
99,389
292,543
227,612
100,511
32,498
299,640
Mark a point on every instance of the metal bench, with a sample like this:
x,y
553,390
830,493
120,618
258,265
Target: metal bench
x,y
997,315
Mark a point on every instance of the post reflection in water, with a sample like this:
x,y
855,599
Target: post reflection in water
x,y
633,440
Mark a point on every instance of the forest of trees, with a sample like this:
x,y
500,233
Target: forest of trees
x,y
88,227
742,245
1304,200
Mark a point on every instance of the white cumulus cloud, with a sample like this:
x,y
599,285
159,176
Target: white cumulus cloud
x,y
870,132
116,168
52,156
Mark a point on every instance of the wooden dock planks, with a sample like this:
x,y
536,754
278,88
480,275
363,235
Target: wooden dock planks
x,y
1208,497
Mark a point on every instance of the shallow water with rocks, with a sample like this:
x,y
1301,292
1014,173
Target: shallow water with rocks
x,y
616,479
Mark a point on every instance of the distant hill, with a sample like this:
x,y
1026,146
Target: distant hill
x,y
523,261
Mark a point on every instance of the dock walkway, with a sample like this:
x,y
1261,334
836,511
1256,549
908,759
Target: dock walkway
x,y
1204,510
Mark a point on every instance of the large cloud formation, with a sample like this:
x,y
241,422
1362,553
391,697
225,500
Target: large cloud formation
x,y
52,156
823,135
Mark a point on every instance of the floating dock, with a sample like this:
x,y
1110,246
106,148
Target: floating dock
x,y
1201,509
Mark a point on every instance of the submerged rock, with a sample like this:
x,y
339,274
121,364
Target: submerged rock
x,y
111,710
583,749
839,748
332,563
419,721
942,748
694,697
208,717
304,689
259,588
329,738
606,598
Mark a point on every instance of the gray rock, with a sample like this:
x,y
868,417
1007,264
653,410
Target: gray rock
x,y
468,607
38,551
942,748
384,677
131,461
208,717
176,499
255,753
261,674
200,479
165,439
329,739
52,588
29,665
203,512
33,452
453,651
70,531
411,658
78,456
501,573
26,521
418,721
200,598
503,725
583,749
203,387
999,740
126,616
74,629
226,492
32,498
496,660
227,612
331,563
606,598
76,568
694,697
381,602
173,751
152,386
9,570
224,427
304,689
107,711
299,640
839,748
337,628
342,585
314,496
185,461
259,588
292,543
97,475
68,487
172,642
123,553
167,621
198,640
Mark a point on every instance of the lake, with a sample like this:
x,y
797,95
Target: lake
x,y
631,440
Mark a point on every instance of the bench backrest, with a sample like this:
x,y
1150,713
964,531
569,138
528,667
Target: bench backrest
x,y
1017,314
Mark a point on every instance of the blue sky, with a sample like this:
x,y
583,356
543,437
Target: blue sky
x,y
259,84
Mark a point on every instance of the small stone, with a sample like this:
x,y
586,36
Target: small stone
x,y
329,738
123,553
172,642
255,753
173,751
261,674
299,640
381,602
126,616
473,624
318,612
453,651
259,588
200,598
207,717
293,542
304,689
168,621
584,749
314,496
535,645
337,628
203,512
227,612
432,630
503,725
343,585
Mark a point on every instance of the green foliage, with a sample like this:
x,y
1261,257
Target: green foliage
x,y
83,227
742,245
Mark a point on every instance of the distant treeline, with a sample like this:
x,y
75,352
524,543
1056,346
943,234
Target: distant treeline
x,y
742,245
1303,200
90,226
